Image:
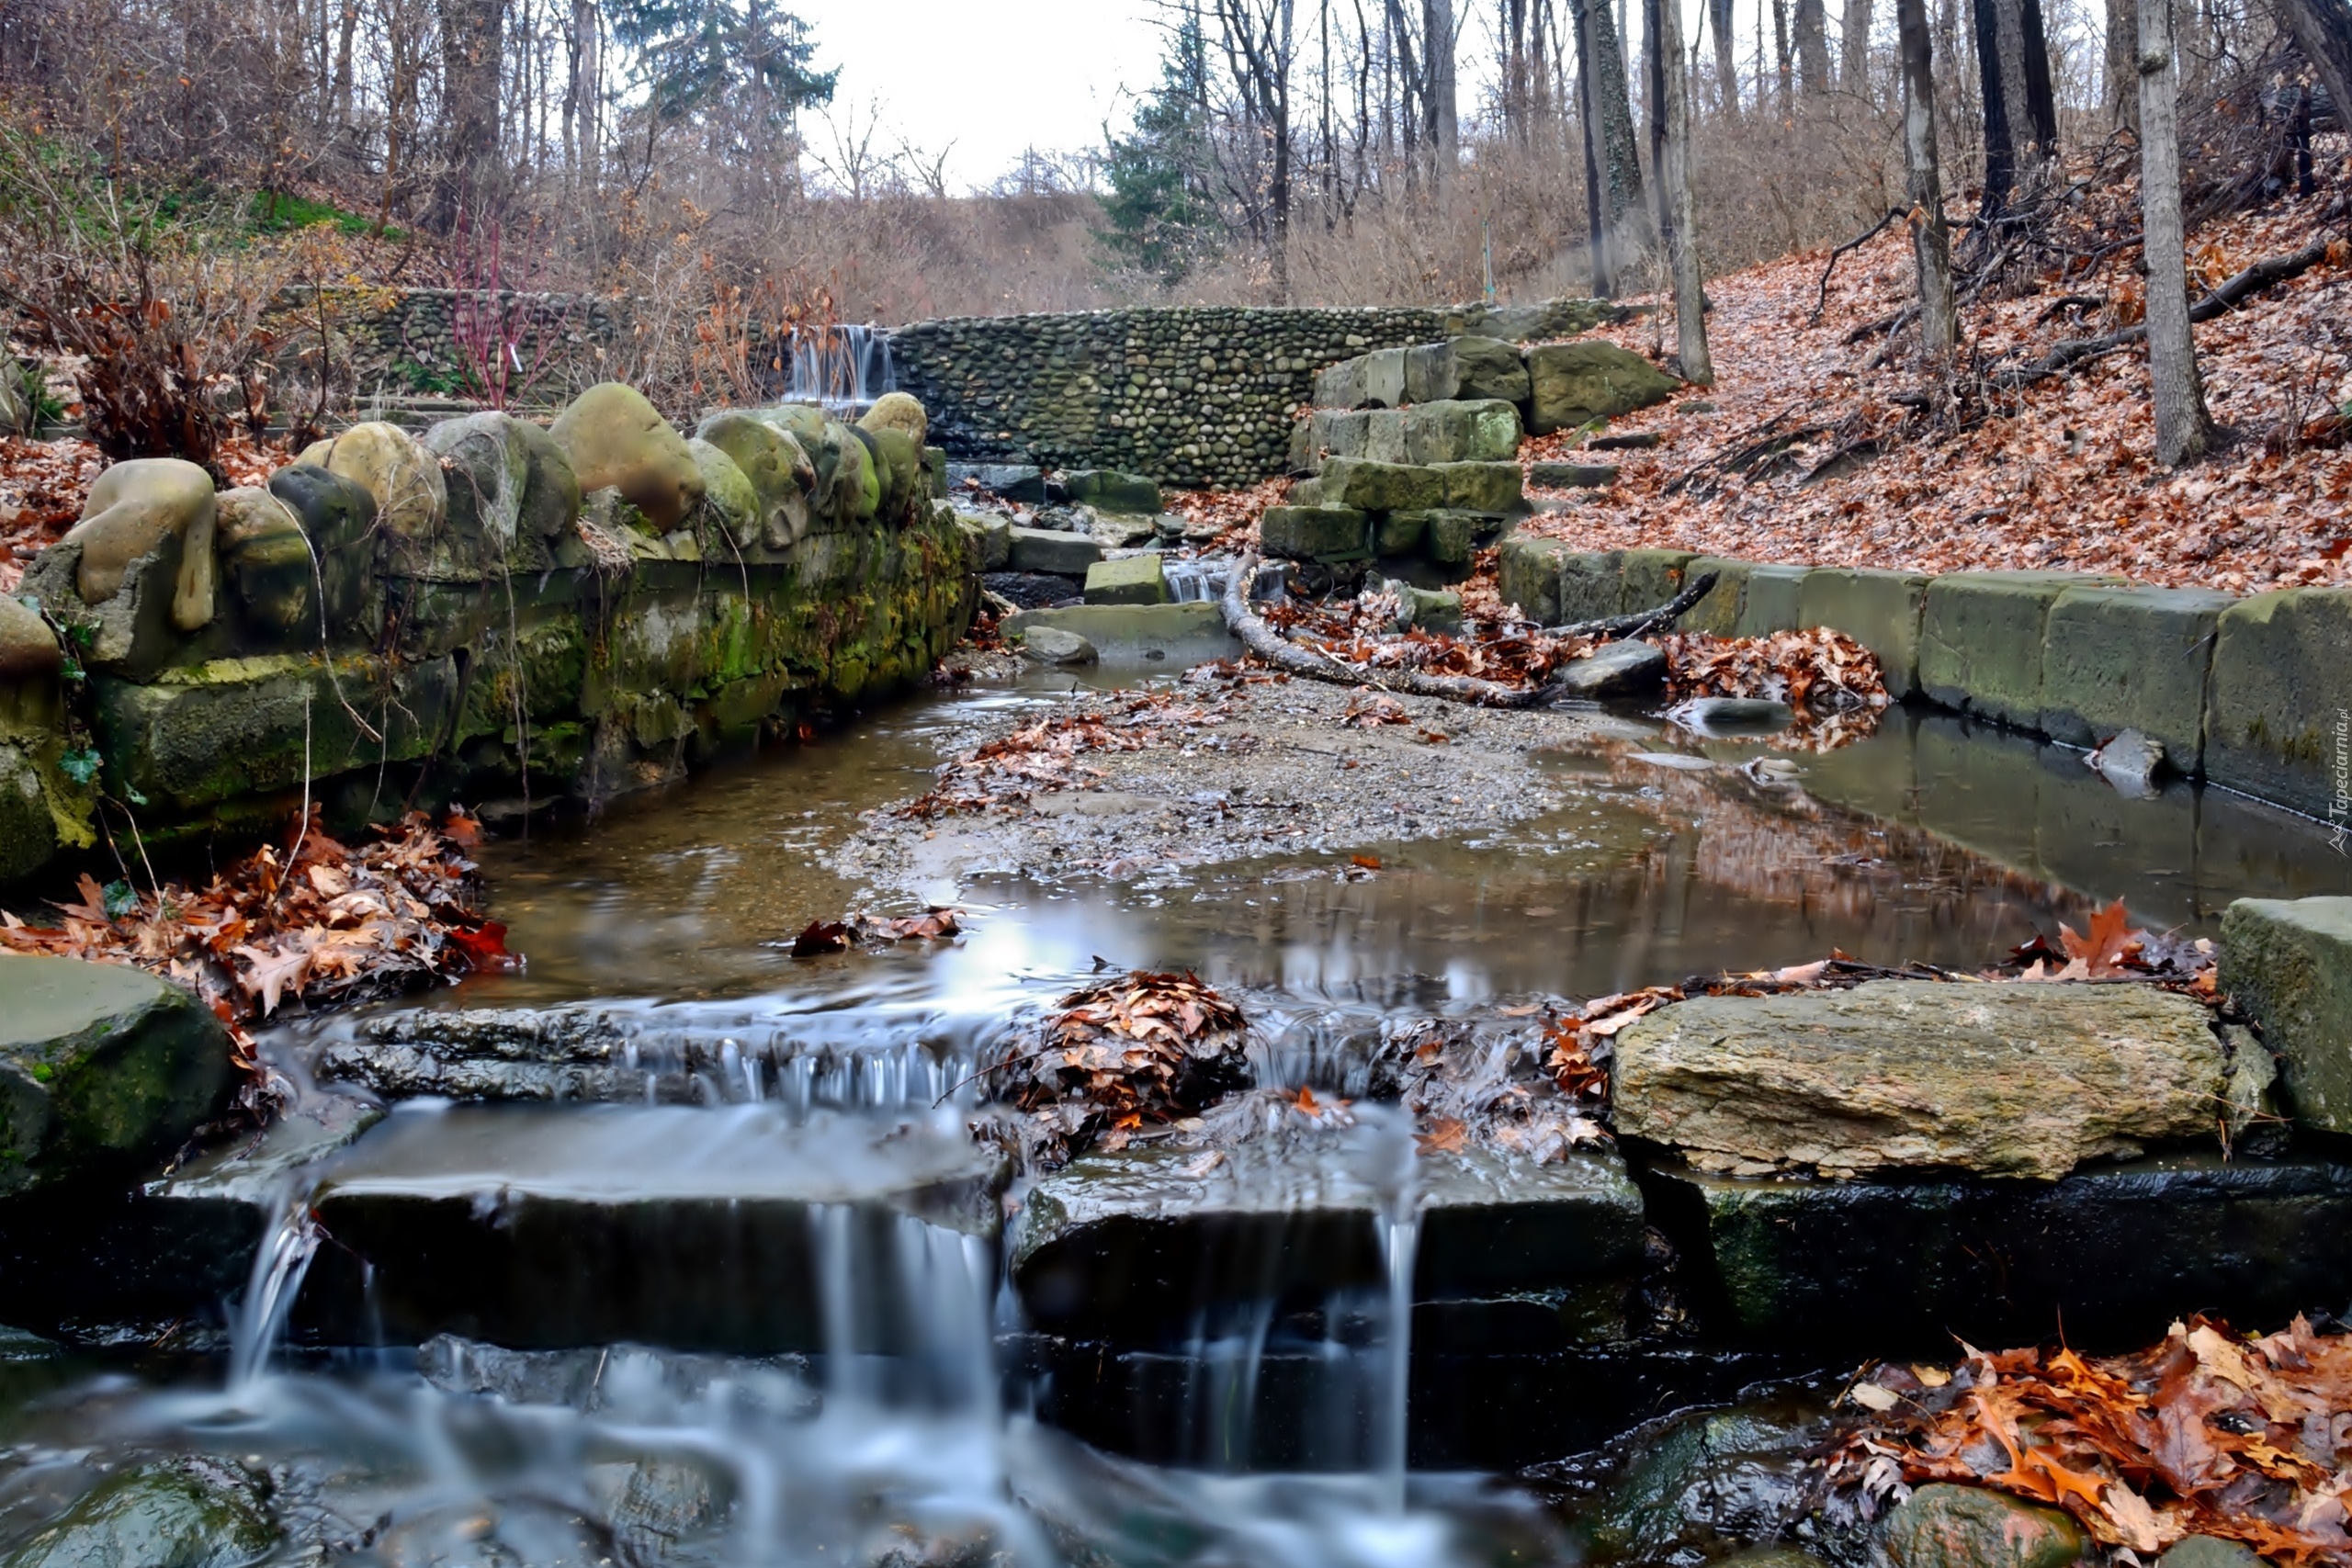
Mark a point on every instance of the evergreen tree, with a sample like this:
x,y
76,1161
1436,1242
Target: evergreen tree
x,y
697,56
1157,210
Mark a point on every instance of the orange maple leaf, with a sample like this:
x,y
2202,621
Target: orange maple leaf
x,y
2108,943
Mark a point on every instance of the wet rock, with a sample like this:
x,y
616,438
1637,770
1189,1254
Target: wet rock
x,y
2113,1250
29,649
1722,715
2130,762
1052,645
1941,1526
992,535
611,436
194,1512
1618,669
1012,481
1572,384
2001,1081
901,412
1109,490
596,1379
339,515
1132,580
1033,590
137,508
2210,1552
265,561
1571,475
1181,635
727,496
1692,1484
2289,963
1132,1246
1043,549
411,497
102,1067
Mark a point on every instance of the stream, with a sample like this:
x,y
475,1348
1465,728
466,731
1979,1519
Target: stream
x,y
779,1187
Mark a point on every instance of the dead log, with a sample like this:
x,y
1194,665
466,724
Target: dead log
x,y
1616,628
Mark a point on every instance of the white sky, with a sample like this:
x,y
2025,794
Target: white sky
x,y
993,77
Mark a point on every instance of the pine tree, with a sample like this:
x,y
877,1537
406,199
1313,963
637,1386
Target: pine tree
x,y
694,56
1158,213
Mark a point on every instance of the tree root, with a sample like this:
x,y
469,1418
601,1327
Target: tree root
x,y
1270,645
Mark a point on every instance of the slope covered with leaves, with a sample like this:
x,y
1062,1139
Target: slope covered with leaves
x,y
1828,443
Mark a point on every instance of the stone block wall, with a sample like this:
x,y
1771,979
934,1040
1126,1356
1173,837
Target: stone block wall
x,y
406,342
1196,396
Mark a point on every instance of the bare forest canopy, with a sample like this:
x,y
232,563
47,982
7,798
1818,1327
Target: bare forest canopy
x,y
1311,152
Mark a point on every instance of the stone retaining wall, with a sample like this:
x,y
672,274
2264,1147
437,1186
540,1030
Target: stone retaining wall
x,y
2253,694
1192,396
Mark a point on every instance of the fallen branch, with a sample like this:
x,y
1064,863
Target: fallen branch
x,y
1283,654
1856,244
1616,628
2262,275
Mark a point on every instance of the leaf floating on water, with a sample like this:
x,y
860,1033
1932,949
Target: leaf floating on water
x,y
1444,1137
1365,863
820,938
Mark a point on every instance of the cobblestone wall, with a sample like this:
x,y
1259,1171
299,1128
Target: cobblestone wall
x,y
1189,396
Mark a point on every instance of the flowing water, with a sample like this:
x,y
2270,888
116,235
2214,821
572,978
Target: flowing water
x,y
781,1184
845,367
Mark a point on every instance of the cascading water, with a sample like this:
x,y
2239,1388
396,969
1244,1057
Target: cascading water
x,y
844,367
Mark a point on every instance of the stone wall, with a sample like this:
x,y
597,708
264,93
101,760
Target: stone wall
x,y
1201,396
406,342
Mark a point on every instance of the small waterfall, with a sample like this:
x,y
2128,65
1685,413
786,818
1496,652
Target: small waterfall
x,y
846,367
1396,1179
279,1266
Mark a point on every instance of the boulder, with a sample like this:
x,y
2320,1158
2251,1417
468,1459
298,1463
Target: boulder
x,y
29,649
1489,488
267,565
1573,384
339,515
901,412
1379,487
1020,482
1436,610
1692,1483
780,474
992,535
508,483
727,497
412,498
2289,963
103,1067
191,1512
1053,645
2017,1080
2210,1552
1107,489
1124,531
1616,669
1466,368
1044,549
1540,321
1942,1526
132,509
611,436
902,482
1131,580
1314,533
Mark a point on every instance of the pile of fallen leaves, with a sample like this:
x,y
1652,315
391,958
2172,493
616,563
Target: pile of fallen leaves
x,y
317,920
1362,634
1145,1048
1468,1088
1004,773
2203,1434
1831,682
822,937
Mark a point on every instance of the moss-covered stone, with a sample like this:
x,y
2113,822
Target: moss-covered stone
x,y
1572,384
611,436
1527,574
1380,487
2289,963
2118,658
411,497
1650,578
1981,640
266,568
1942,1526
1492,489
102,1067
1131,580
192,1512
339,516
1482,431
1328,533
2278,710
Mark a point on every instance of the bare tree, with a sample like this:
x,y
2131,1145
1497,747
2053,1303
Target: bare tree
x,y
1719,17
2184,430
1812,48
1612,158
1854,49
1662,19
473,34
1443,124
2322,30
2120,82
2021,108
1930,238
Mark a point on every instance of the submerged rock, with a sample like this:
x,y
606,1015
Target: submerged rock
x,y
1052,645
1996,1079
1690,1484
102,1066
1969,1527
182,1513
1720,715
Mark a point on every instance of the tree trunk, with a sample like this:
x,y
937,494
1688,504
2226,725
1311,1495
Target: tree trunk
x,y
1446,145
1596,183
1719,17
1930,240
1812,48
1612,113
1653,74
583,96
1780,55
2322,30
2184,430
1854,49
344,130
1664,18
2121,99
472,36
1992,83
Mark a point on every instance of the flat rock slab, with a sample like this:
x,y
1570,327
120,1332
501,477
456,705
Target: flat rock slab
x,y
2289,963
697,1228
2114,1252
2017,1080
1138,1247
